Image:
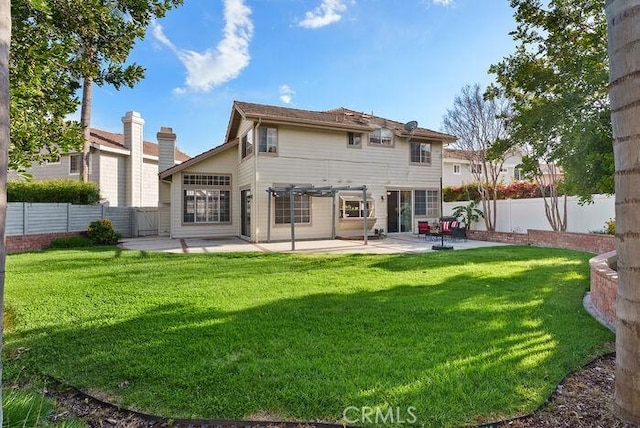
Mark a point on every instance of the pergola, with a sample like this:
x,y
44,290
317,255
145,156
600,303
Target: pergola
x,y
317,192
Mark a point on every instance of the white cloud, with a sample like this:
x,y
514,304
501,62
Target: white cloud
x,y
286,94
218,65
327,13
443,2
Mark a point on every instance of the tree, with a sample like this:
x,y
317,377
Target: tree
x,y
480,125
95,38
42,90
623,21
5,41
557,79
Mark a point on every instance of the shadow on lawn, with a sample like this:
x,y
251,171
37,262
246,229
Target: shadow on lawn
x,y
455,351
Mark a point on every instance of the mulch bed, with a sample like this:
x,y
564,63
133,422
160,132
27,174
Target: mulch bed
x,y
583,399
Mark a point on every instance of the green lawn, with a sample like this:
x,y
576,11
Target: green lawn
x,y
459,336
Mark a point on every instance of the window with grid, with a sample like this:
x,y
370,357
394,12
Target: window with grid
x,y
354,139
301,209
206,198
421,153
456,169
426,203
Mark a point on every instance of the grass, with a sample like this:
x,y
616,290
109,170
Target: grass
x,y
22,409
460,337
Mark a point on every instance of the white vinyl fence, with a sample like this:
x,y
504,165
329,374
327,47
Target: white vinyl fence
x,y
25,218
518,215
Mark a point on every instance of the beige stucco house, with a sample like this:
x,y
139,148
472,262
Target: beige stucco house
x,y
124,165
362,164
456,168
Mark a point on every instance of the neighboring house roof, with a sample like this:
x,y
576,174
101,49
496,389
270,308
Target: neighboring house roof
x,y
340,118
116,141
202,156
455,154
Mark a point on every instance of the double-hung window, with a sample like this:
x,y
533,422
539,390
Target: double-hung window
x,y
421,153
206,198
75,164
354,139
381,137
267,139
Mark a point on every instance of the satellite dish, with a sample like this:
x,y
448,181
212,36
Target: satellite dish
x,y
410,126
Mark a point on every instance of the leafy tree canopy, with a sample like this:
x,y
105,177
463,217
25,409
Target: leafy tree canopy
x,y
53,49
557,78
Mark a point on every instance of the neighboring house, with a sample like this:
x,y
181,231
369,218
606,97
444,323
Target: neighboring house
x,y
456,168
124,165
240,188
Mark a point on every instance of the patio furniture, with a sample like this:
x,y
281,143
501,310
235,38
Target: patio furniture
x,y
424,229
450,226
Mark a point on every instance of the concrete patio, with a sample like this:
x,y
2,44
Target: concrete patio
x,y
394,243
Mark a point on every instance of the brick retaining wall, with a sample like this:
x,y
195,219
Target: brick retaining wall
x,y
604,286
22,243
591,242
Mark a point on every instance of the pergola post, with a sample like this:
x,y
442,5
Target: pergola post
x,y
333,214
269,215
293,219
364,214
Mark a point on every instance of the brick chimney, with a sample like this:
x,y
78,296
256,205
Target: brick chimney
x,y
133,125
166,148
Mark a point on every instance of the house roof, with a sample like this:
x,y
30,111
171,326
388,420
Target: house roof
x,y
339,118
202,156
116,141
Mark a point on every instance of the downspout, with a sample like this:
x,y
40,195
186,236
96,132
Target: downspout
x,y
256,205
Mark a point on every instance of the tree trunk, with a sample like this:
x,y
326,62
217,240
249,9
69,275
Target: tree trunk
x,y
85,120
623,21
5,39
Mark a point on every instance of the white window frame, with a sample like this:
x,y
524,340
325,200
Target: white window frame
x,y
354,140
476,168
211,193
423,158
457,168
352,207
382,137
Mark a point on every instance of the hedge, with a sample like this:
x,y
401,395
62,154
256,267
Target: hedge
x,y
60,191
514,190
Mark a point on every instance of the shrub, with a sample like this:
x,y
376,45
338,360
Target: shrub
x,y
610,227
101,232
71,242
60,191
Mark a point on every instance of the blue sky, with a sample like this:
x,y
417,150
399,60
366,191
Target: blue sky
x,y
400,59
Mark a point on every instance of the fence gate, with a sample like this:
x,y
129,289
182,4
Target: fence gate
x,y
146,221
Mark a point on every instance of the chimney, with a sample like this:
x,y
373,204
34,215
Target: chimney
x,y
133,125
166,148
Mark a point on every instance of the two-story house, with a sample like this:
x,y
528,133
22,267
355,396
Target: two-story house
x,y
124,165
342,166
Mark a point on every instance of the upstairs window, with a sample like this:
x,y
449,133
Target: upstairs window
x,y
476,169
354,139
456,169
267,140
381,137
421,153
247,144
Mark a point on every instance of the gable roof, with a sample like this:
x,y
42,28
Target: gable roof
x,y
116,141
339,118
202,156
